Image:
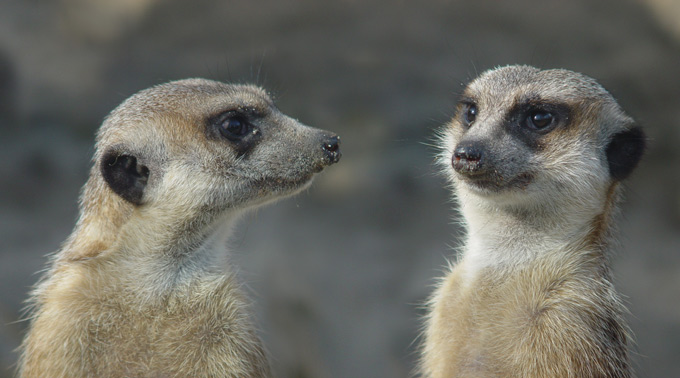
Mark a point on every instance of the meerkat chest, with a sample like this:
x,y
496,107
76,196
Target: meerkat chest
x,y
201,331
190,335
481,320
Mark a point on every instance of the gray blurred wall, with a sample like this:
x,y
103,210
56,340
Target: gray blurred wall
x,y
338,275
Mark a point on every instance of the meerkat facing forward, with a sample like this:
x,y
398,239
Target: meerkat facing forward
x,y
142,287
535,159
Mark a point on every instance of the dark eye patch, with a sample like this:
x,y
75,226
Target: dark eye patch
x,y
538,115
540,119
468,111
234,126
237,126
532,117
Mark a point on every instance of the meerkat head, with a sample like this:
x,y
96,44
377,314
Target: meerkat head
x,y
528,137
199,144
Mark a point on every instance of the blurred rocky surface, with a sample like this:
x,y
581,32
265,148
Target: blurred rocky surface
x,y
338,274
667,12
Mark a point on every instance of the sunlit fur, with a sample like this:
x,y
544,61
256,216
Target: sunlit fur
x,y
531,293
147,291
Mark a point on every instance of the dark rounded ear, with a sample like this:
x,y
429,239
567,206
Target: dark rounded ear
x,y
124,175
624,152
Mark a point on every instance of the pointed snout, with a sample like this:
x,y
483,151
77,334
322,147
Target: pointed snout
x,y
468,158
331,148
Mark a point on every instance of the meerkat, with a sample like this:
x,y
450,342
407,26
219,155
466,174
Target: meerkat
x,y
142,287
535,158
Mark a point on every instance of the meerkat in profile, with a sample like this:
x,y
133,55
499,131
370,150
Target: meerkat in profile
x,y
142,287
535,159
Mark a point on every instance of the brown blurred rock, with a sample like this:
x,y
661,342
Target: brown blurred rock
x,y
668,14
8,92
102,21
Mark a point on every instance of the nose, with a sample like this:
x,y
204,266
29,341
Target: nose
x,y
467,158
331,146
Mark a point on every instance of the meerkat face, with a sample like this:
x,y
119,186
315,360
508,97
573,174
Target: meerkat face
x,y
203,144
525,136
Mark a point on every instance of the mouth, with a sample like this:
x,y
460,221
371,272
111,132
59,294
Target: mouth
x,y
284,185
295,181
494,183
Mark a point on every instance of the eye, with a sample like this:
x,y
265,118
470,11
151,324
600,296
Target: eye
x,y
235,127
470,113
540,120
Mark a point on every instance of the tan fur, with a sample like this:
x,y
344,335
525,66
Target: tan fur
x,y
146,290
531,295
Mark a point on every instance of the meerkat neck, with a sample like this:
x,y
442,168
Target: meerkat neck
x,y
152,250
504,237
179,258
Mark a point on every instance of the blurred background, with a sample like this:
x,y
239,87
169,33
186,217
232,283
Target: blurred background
x,y
338,274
